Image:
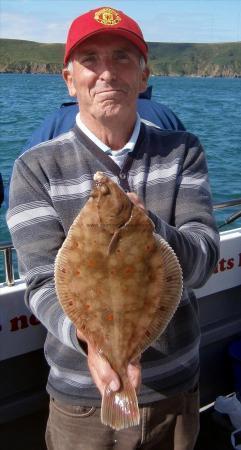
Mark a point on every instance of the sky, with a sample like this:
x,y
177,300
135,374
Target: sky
x,y
160,20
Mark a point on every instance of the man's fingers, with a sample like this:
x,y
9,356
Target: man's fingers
x,y
135,199
134,374
80,335
101,371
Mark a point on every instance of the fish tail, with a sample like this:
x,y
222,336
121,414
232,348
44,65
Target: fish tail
x,y
120,409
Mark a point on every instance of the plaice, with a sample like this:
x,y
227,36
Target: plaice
x,y
119,284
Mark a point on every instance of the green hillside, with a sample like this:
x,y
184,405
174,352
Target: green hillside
x,y
164,58
28,56
196,59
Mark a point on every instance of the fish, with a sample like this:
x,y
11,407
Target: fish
x,y
120,284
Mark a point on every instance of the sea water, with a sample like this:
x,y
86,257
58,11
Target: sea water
x,y
208,107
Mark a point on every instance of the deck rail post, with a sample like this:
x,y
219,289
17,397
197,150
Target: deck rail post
x,y
6,248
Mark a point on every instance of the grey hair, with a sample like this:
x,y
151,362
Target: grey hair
x,y
142,63
70,65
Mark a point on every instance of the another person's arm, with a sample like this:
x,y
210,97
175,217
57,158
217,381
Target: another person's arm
x,y
62,120
159,114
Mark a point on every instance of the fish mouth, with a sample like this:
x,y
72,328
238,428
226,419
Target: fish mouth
x,y
101,183
100,177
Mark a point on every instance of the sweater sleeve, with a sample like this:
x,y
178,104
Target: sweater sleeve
x,y
37,234
193,234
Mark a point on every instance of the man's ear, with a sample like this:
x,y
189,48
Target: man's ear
x,y
68,78
144,78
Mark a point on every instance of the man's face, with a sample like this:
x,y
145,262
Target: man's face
x,y
106,77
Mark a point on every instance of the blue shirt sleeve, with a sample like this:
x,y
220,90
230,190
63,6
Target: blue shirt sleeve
x,y
159,114
55,124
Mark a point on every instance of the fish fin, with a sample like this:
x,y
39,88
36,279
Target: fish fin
x,y
173,292
120,409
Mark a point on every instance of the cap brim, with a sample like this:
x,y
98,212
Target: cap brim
x,y
132,37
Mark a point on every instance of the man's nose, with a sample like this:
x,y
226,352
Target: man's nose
x,y
107,69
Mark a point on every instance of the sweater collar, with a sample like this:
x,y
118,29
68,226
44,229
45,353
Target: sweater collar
x,y
128,147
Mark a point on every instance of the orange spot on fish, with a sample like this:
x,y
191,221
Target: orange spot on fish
x,y
91,263
109,317
113,271
129,270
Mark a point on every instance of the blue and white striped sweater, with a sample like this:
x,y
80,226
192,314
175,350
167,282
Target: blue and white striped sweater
x,y
52,182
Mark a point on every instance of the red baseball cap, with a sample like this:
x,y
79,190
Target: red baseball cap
x,y
102,20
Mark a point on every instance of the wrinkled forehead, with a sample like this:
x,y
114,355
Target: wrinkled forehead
x,y
107,43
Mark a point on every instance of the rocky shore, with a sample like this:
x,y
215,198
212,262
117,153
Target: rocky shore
x,y
165,59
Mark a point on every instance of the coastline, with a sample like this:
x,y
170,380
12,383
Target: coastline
x,y
173,75
165,59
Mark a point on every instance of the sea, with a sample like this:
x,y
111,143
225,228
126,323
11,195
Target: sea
x,y
208,107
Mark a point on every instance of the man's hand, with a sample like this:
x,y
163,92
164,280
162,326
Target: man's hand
x,y
103,374
135,199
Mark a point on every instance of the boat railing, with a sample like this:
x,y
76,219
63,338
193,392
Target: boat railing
x,y
7,247
227,204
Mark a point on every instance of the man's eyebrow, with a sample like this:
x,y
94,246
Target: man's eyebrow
x,y
87,52
96,49
127,49
122,49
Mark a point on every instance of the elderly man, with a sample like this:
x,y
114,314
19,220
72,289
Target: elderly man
x,y
164,172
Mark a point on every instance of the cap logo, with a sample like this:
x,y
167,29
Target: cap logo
x,y
107,16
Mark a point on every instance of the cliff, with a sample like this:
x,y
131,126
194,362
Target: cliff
x,y
18,56
166,59
217,60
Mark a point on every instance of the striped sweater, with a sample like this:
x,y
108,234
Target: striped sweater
x,y
52,182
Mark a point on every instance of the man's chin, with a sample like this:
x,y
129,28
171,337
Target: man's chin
x,y
112,110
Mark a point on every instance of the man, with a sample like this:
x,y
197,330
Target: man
x,y
164,172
